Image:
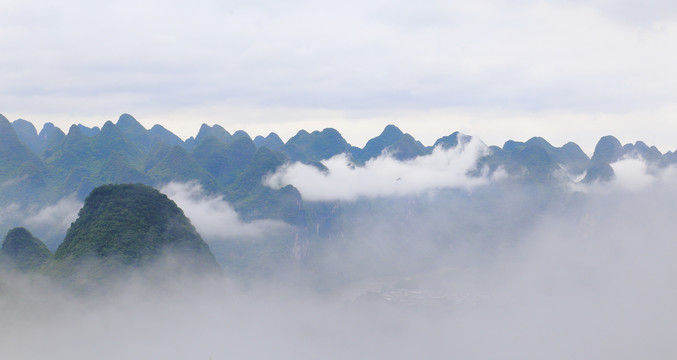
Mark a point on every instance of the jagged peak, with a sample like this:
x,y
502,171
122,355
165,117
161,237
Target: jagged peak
x,y
159,127
331,132
48,126
216,130
511,145
539,141
128,121
108,125
27,123
273,136
74,131
204,127
241,133
218,127
608,149
452,140
391,131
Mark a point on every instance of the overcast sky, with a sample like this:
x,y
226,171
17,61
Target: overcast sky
x,y
565,70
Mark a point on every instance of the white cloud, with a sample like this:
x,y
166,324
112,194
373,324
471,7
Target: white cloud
x,y
384,175
213,217
57,217
599,280
632,174
48,223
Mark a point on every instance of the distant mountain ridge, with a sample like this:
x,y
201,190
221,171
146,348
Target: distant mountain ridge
x,y
40,168
215,157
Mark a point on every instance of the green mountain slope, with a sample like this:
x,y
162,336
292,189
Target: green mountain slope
x,y
22,251
129,226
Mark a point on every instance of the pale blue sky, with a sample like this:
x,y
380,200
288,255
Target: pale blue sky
x,y
565,70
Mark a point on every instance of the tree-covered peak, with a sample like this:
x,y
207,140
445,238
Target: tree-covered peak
x,y
160,133
129,225
608,150
28,135
391,132
3,120
241,134
87,131
23,250
216,131
315,146
128,122
272,141
74,132
451,141
110,139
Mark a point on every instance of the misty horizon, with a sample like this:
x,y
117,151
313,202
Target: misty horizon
x,y
338,180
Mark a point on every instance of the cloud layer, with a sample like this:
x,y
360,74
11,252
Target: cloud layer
x,y
595,281
49,223
213,217
384,175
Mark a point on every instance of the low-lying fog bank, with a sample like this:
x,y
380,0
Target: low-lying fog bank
x,y
593,281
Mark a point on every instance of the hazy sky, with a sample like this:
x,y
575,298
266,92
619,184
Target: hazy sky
x,y
566,70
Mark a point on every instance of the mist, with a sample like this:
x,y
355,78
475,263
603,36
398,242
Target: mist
x,y
495,273
384,175
49,223
214,218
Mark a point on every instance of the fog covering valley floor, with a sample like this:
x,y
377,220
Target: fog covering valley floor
x,y
462,251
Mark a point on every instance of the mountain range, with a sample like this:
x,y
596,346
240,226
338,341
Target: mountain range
x,y
39,168
47,165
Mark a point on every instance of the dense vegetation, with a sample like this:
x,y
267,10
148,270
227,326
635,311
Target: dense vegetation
x,y
23,251
129,225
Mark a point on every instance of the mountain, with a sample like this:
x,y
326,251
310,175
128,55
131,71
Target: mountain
x,y
50,137
222,161
375,146
205,131
111,138
87,131
531,161
607,150
641,149
22,172
74,151
23,251
315,146
599,171
179,165
14,153
573,158
28,135
272,141
393,141
451,141
134,132
406,148
159,134
240,134
128,226
118,170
